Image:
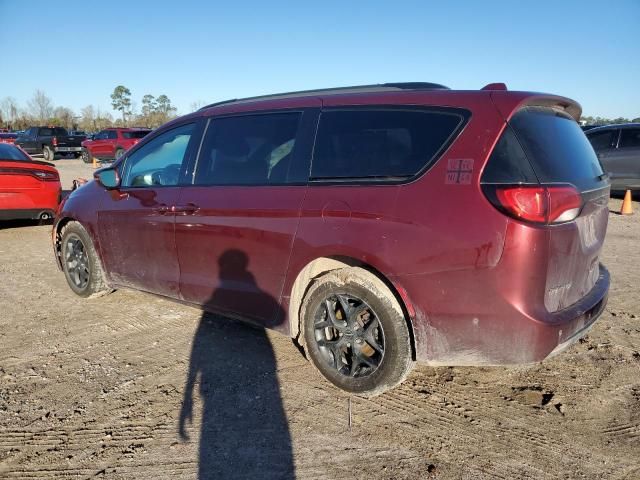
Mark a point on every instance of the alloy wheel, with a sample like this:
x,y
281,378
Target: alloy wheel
x,y
77,262
349,335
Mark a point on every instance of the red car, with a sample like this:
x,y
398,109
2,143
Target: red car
x,y
111,143
28,189
6,137
375,225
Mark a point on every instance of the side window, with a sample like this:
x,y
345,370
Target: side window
x,y
601,140
248,150
101,135
380,144
158,163
630,138
112,134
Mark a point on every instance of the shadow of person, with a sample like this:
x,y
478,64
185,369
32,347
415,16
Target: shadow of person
x,y
244,431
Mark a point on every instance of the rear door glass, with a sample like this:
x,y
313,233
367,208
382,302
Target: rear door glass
x,y
557,148
381,144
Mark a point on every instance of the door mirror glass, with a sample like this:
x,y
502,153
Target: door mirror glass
x,y
109,178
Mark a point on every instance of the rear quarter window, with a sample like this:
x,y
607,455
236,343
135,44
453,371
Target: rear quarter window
x,y
601,140
630,138
385,144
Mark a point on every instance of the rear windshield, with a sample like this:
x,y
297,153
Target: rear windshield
x,y
9,152
135,134
48,132
556,147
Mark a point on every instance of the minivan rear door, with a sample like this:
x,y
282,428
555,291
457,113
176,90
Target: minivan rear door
x,y
236,224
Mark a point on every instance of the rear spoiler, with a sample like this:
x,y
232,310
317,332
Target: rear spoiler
x,y
508,103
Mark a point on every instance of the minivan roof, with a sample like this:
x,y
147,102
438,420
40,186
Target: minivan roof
x,y
380,87
408,93
613,125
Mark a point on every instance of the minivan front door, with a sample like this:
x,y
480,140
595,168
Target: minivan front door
x,y
234,239
136,221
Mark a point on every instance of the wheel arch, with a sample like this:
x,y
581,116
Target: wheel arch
x,y
321,265
57,240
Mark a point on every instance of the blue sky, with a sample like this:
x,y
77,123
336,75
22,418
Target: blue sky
x,y
77,52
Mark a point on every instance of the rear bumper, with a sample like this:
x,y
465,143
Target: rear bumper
x,y
67,149
501,333
26,214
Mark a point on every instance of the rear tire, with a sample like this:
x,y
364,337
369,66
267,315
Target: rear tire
x,y
355,332
81,264
86,155
48,154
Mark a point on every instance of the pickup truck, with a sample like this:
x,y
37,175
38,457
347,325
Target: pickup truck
x,y
50,141
111,143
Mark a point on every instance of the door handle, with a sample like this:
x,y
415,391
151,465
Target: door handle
x,y
161,209
188,209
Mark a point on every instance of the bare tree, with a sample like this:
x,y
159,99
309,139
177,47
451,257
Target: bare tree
x,y
9,109
197,105
87,118
40,106
64,116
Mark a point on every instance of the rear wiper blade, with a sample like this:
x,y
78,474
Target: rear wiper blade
x,y
604,176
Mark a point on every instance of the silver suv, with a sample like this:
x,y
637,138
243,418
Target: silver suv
x,y
618,148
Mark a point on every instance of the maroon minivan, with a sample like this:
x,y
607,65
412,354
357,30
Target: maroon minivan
x,y
376,225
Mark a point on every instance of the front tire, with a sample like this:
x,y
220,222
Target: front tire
x,y
81,264
48,153
355,332
119,153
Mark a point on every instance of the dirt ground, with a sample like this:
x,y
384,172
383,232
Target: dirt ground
x,y
103,388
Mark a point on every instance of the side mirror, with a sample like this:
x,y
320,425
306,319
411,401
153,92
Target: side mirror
x,y
108,177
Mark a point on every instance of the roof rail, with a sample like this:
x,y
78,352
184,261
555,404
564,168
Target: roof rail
x,y
325,91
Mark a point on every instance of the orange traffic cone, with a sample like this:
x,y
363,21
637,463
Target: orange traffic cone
x,y
627,208
94,161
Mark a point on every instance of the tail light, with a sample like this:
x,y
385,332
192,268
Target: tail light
x,y
46,175
537,203
54,141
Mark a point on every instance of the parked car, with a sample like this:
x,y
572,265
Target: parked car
x,y
618,148
111,143
8,137
29,189
49,141
375,225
